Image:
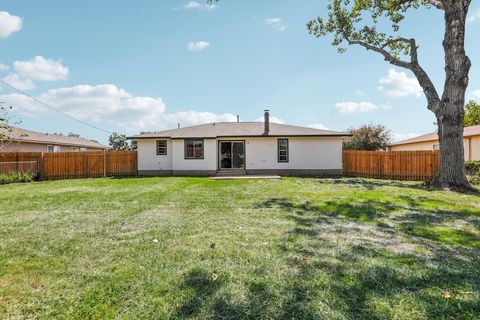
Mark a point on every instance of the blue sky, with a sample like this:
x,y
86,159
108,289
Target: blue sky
x,y
132,66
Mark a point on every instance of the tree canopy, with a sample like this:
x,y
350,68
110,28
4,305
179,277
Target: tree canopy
x,y
371,137
472,114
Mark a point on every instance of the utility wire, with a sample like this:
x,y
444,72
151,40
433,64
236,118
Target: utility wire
x,y
53,108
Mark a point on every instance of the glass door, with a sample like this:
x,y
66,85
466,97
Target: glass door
x,y
232,155
238,155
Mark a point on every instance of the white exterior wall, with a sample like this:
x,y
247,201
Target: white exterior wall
x,y
304,153
147,155
209,161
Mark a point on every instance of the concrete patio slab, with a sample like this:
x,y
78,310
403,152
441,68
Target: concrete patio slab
x,y
253,176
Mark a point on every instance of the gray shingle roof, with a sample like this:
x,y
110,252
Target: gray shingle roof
x,y
22,135
237,129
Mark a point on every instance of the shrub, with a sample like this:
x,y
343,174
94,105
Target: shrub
x,y
13,177
473,167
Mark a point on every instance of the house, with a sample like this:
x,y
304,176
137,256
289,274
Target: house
x,y
240,148
21,140
471,143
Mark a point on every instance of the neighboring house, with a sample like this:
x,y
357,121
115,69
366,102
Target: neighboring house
x,y
471,143
21,140
240,148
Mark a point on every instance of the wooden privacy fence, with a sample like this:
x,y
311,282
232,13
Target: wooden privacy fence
x,y
398,165
70,165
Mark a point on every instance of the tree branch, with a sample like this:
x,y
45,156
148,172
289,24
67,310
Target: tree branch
x,y
433,99
436,3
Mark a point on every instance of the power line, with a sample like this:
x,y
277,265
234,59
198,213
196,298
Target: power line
x,y
53,108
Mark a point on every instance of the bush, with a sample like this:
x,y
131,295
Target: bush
x,y
14,177
473,167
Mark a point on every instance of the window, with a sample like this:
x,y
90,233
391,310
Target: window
x,y
74,149
194,149
436,147
49,148
161,147
282,150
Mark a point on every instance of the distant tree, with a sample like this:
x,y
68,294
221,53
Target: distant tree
x,y
71,134
133,145
5,125
368,137
472,114
118,141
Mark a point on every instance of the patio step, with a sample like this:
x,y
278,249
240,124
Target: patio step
x,y
235,172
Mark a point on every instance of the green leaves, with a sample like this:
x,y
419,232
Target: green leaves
x,y
357,20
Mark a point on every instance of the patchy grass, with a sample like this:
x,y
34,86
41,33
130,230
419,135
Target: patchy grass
x,y
179,248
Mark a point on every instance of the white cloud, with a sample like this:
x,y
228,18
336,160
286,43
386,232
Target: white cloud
x,y
19,82
474,16
475,95
26,73
358,92
357,107
198,46
9,24
272,119
276,23
110,104
41,69
3,67
397,84
320,126
397,136
194,5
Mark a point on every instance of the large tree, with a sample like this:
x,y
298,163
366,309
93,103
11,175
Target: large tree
x,y
356,22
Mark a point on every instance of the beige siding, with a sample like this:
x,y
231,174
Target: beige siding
x,y
39,147
471,147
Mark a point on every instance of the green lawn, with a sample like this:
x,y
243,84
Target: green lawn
x,y
176,248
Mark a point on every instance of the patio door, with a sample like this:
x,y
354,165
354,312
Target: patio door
x,y
231,155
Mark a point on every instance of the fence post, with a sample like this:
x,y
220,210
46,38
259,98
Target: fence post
x,y
40,167
104,163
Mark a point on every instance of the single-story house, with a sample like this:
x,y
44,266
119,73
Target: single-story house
x,y
21,140
471,143
240,148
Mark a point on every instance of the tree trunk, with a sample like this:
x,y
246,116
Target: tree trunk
x,y
450,112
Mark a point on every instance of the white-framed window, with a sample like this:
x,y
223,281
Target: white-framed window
x,y
282,146
50,148
161,147
56,148
436,146
74,149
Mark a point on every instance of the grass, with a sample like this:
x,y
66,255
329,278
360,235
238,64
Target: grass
x,y
179,248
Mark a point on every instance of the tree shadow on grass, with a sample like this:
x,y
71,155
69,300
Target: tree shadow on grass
x,y
209,298
378,270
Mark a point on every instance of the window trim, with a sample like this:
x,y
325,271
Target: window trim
x,y
166,147
185,149
48,148
278,151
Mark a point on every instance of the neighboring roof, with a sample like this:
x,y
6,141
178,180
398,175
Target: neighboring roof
x,y
237,129
467,132
22,135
